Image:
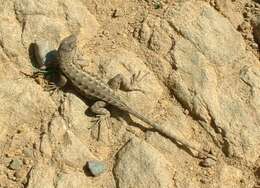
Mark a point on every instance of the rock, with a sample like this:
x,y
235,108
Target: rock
x,y
11,41
41,176
251,76
3,131
141,165
211,33
208,162
256,32
57,129
226,7
21,173
210,40
26,101
160,42
79,19
28,152
191,49
46,20
44,53
16,164
96,167
75,113
144,33
73,152
230,177
45,146
73,180
156,35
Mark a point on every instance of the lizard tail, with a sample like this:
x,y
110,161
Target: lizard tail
x,y
165,130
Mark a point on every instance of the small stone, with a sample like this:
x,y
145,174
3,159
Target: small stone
x,y
254,45
186,112
15,164
105,33
208,162
10,175
28,152
6,161
26,161
96,167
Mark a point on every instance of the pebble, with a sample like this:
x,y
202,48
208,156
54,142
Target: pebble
x,y
28,152
96,167
254,45
208,162
15,164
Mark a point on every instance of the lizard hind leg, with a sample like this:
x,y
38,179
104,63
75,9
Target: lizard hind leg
x,y
103,117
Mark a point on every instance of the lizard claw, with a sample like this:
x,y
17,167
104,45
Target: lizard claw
x,y
52,88
99,122
135,79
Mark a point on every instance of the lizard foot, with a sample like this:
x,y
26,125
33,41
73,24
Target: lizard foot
x,y
102,122
135,79
52,88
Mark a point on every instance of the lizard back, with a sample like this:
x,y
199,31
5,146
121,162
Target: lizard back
x,y
87,83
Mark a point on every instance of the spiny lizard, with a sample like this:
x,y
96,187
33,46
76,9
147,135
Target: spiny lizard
x,y
92,86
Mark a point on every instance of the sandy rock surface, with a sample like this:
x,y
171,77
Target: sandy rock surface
x,y
202,81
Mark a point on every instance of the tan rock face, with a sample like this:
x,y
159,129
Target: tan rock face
x,y
203,87
138,162
203,82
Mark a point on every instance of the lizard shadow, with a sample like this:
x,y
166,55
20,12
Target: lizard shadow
x,y
115,112
49,64
49,59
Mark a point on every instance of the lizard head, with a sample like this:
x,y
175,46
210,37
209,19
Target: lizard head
x,y
68,47
69,43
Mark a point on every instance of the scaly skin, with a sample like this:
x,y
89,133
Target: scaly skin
x,y
91,85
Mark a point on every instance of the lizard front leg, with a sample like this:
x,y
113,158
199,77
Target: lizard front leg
x,y
120,82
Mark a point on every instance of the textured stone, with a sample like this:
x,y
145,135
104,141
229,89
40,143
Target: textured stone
x,y
16,164
45,146
96,167
230,177
209,49
211,33
141,165
41,176
73,180
73,152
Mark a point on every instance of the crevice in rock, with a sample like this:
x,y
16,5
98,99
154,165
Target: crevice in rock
x,y
26,184
115,164
220,142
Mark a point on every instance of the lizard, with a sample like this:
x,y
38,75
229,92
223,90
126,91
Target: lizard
x,y
91,86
